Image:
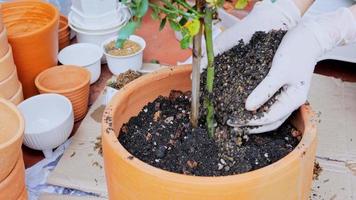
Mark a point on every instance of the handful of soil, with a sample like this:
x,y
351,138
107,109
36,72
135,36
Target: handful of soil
x,y
129,47
124,78
238,72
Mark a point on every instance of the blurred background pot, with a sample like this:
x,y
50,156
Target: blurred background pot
x,y
33,34
18,96
4,45
63,32
9,86
11,129
75,86
94,7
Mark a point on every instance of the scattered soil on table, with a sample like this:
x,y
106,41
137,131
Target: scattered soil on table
x,y
161,134
124,78
238,72
129,47
317,170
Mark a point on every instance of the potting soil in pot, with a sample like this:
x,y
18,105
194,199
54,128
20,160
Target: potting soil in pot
x,y
129,47
161,134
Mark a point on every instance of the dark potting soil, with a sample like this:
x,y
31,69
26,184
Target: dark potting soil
x,y
161,134
238,71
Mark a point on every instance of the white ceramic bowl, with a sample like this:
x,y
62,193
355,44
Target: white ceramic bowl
x,y
94,7
120,64
84,55
98,23
49,121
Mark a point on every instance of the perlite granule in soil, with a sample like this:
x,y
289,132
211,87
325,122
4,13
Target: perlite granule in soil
x,y
161,134
129,47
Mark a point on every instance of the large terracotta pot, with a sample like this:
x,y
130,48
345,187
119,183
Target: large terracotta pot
x,y
63,32
131,179
70,81
33,34
11,135
13,186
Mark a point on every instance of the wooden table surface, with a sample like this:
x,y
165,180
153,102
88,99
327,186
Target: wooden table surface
x,y
163,46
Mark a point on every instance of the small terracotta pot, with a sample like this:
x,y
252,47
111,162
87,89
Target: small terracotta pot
x,y
75,86
1,23
63,32
23,195
4,45
7,65
33,34
18,97
131,179
11,129
9,86
13,185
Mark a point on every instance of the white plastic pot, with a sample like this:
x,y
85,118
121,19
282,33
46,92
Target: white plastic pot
x,y
120,64
49,121
94,7
109,94
103,22
84,55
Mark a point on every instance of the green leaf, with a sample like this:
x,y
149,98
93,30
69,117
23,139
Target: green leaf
x,y
193,27
186,41
215,3
155,13
162,24
125,33
174,25
241,4
142,8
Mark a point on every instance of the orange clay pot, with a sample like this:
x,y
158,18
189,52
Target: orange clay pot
x,y
70,81
63,32
12,187
9,86
131,179
7,65
18,97
11,129
23,195
33,34
4,45
1,23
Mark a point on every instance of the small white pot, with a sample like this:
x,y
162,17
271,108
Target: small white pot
x,y
84,55
94,7
49,121
120,64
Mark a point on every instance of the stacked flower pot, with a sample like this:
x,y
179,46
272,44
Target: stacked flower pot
x,y
12,169
96,20
63,32
10,86
32,28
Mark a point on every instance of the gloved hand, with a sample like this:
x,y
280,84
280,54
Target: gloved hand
x,y
294,63
265,16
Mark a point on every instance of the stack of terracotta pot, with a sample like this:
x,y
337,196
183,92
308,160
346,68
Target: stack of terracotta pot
x,y
32,28
10,86
63,32
12,169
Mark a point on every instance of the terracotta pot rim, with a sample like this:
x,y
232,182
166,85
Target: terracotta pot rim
x,y
72,89
21,126
110,138
17,92
12,74
63,20
48,25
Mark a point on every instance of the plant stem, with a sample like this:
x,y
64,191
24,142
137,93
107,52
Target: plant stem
x,y
208,18
190,8
168,11
194,117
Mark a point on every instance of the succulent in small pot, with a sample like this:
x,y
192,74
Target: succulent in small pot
x,y
128,56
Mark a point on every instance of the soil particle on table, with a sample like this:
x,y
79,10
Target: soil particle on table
x,y
129,47
238,71
161,135
124,78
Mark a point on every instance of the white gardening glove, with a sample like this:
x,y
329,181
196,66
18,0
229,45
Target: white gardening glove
x,y
265,16
294,63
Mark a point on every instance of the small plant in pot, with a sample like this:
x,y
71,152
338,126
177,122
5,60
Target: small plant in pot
x,y
159,143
